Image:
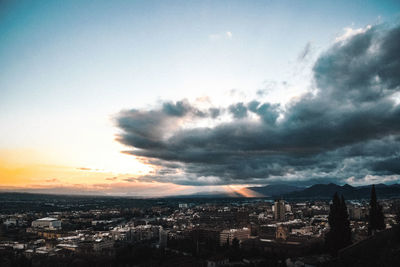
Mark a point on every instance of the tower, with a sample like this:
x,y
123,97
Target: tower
x,y
279,210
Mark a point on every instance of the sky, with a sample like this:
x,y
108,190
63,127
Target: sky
x,y
155,98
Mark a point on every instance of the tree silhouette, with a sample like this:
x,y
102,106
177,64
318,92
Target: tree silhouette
x,y
235,243
376,220
397,212
339,235
346,239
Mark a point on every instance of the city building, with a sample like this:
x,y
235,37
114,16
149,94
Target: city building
x,y
226,236
100,245
47,223
279,210
11,222
356,212
163,237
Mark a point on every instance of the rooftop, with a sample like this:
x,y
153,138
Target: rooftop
x,y
47,219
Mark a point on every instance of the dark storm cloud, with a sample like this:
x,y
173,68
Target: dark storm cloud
x,y
349,128
366,68
238,110
388,166
268,112
181,109
178,109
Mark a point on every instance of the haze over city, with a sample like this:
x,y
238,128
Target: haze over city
x,y
160,98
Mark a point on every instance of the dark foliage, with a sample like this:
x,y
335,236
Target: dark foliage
x,y
376,220
339,235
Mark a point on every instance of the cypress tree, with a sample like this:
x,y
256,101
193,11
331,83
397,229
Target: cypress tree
x,y
376,220
397,209
346,236
235,243
334,211
339,235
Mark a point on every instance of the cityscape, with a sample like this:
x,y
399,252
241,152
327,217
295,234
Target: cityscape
x,y
199,133
44,230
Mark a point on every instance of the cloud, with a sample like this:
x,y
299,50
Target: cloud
x,y
349,126
350,32
88,169
84,169
238,110
218,36
130,179
114,189
52,180
305,53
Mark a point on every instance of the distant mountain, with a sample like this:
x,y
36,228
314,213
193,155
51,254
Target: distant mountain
x,y
211,194
275,189
326,191
257,191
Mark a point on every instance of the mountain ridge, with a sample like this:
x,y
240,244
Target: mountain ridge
x,y
326,191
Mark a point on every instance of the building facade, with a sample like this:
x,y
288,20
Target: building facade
x,y
47,223
279,210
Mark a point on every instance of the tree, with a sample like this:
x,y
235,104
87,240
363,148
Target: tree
x,y
346,239
397,212
376,220
235,244
339,235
